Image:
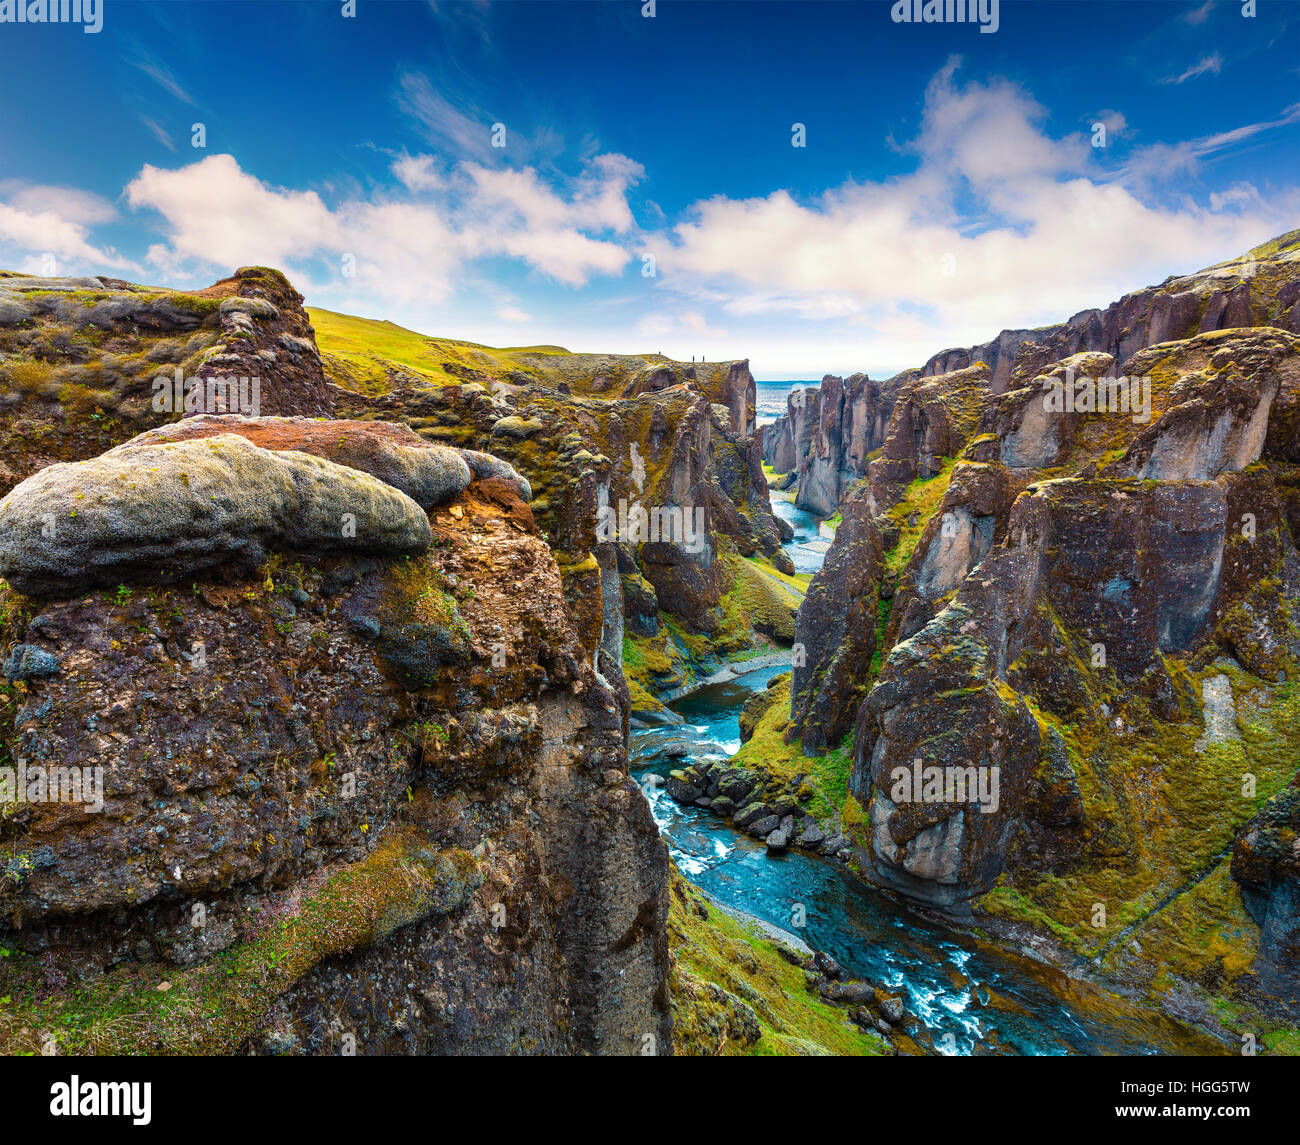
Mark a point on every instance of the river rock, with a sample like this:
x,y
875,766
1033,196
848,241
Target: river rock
x,y
763,827
826,964
736,784
778,840
892,1010
681,787
853,992
811,836
751,813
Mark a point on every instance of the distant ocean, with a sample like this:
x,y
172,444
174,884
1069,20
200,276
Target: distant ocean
x,y
770,398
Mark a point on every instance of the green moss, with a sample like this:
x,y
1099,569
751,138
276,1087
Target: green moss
x,y
1162,806
767,751
214,1007
733,994
920,502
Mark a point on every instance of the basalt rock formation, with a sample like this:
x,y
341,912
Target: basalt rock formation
x,y
329,709
1091,610
826,428
1258,289
666,454
87,363
826,435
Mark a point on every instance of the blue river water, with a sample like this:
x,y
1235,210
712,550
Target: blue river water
x,y
969,997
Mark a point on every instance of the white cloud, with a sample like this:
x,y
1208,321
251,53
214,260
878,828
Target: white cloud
x,y
663,323
218,214
158,71
158,132
405,244
40,220
1000,225
419,173
1206,65
513,314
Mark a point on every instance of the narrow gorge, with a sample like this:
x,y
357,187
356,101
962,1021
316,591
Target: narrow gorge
x,y
432,698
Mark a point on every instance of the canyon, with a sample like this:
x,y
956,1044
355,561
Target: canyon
x,y
369,673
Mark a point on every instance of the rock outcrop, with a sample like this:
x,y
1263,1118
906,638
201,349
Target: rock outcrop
x,y
1083,698
1258,289
294,756
996,595
1266,865
835,632
826,435
815,439
646,477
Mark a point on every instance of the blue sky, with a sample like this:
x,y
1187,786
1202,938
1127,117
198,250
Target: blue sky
x,y
949,186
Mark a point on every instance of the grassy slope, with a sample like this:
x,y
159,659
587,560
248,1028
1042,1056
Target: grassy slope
x,y
359,352
735,995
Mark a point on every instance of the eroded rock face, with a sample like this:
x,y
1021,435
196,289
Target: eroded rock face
x,y
957,538
836,629
1266,865
669,447
396,769
1140,570
266,334
825,436
933,418
173,510
1219,412
1259,289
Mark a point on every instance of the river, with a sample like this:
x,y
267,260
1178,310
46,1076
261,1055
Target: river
x,y
971,998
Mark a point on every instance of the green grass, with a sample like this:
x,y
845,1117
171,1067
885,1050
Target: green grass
x,y
767,751
923,497
745,971
212,1008
358,353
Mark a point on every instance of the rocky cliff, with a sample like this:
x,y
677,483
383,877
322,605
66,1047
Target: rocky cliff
x,y
826,436
1257,289
326,701
1065,636
688,569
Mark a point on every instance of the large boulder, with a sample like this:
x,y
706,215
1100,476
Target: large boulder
x,y
170,510
428,473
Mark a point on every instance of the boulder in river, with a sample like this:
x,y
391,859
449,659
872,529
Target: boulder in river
x,y
751,813
763,827
682,787
779,840
811,835
891,1009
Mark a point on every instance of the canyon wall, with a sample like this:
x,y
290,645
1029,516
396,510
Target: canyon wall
x,y
347,710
